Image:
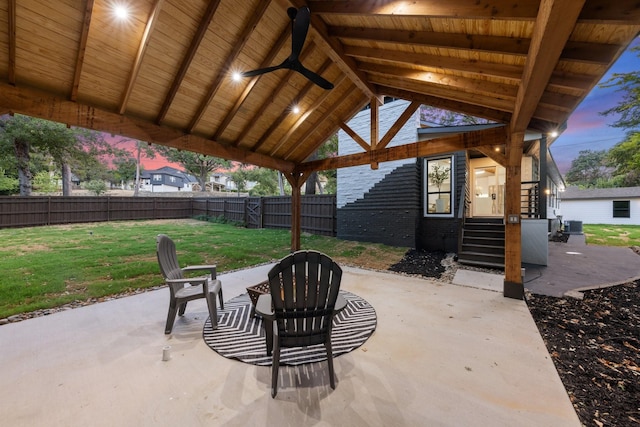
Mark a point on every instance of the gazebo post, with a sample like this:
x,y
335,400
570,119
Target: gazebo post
x,y
296,180
513,286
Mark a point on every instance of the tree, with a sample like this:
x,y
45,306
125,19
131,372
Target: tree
x,y
66,147
126,170
439,117
96,186
625,158
196,164
8,185
588,168
629,106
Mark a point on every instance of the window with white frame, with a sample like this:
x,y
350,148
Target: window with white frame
x,y
157,177
438,186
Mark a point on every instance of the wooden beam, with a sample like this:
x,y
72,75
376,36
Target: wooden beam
x,y
513,286
621,12
334,49
499,9
597,53
375,128
449,104
458,142
395,128
268,100
357,138
268,60
188,58
82,49
46,106
434,78
496,102
303,117
556,20
142,48
558,79
231,57
308,87
11,72
307,150
497,156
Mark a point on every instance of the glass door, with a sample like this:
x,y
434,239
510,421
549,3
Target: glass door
x,y
488,194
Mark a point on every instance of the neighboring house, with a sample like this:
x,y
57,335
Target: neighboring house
x,y
166,179
425,203
602,205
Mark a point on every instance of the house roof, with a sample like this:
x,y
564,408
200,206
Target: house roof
x,y
164,76
575,193
168,170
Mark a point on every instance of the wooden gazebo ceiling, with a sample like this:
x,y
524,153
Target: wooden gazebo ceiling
x,y
165,75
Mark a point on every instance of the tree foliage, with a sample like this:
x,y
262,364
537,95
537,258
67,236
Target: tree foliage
x,y
588,169
628,108
625,158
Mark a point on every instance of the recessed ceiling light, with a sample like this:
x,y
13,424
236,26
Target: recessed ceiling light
x,y
121,12
554,134
236,76
295,109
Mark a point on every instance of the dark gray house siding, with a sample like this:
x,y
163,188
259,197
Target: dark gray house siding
x,y
388,213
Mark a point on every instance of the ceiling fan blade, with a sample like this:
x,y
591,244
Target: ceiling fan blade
x,y
299,31
314,77
260,71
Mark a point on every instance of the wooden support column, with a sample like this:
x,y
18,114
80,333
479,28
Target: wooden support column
x,y
296,180
513,286
375,129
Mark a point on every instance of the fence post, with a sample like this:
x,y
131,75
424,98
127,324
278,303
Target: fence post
x,y
49,210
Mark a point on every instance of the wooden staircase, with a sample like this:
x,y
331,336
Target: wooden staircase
x,y
482,242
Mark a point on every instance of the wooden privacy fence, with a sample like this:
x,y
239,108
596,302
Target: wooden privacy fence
x,y
318,211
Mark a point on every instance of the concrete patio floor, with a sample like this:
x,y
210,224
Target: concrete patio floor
x,y
441,355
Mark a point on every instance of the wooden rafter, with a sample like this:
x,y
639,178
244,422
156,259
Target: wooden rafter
x,y
440,79
307,150
595,11
259,10
142,48
459,142
598,53
499,9
82,49
395,128
188,58
454,105
11,77
309,110
497,156
555,22
275,49
505,71
357,138
308,86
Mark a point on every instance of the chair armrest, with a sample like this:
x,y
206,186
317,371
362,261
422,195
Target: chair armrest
x,y
210,268
341,304
263,307
191,280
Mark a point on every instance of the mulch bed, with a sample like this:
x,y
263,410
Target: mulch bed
x,y
595,345
423,263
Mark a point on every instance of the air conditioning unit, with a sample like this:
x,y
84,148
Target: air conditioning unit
x,y
573,227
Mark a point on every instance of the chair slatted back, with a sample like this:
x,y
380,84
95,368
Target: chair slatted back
x,y
167,257
304,287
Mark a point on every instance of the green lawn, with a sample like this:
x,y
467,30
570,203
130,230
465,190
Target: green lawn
x,y
612,235
44,267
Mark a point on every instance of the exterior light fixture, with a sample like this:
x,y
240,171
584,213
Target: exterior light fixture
x,y
553,134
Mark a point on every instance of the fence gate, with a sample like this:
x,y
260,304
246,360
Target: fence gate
x,y
254,212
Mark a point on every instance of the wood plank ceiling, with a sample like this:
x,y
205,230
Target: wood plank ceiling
x,y
164,75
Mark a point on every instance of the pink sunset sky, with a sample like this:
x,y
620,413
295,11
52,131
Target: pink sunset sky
x,y
587,129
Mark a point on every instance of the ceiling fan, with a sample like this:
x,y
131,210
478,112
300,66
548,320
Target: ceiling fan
x,y
299,28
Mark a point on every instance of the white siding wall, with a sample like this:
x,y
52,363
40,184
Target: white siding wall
x,y
355,181
598,211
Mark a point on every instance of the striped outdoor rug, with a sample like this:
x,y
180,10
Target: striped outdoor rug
x,y
242,337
